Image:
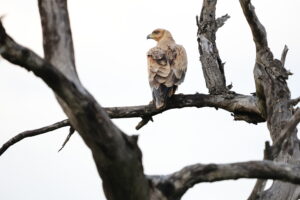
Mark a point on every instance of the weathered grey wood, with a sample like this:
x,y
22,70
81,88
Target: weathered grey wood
x,y
239,105
274,97
117,156
57,36
174,186
212,66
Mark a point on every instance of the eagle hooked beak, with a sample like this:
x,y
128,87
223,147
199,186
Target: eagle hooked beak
x,y
149,36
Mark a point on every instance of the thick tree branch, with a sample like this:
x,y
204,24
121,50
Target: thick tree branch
x,y
57,36
175,185
32,133
122,174
212,66
116,155
239,105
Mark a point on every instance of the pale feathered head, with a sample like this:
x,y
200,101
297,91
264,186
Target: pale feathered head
x,y
160,34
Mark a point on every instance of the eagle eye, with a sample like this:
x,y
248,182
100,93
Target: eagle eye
x,y
156,32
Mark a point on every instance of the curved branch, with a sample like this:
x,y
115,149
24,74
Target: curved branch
x,y
175,185
258,30
274,103
32,133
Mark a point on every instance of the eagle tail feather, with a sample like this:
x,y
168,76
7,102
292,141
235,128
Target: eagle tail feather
x,y
162,94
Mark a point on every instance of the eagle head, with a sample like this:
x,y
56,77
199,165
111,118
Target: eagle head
x,y
159,34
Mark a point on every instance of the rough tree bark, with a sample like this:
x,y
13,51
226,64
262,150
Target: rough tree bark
x,y
118,157
212,66
274,102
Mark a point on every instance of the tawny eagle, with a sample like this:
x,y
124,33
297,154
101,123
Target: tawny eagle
x,y
167,64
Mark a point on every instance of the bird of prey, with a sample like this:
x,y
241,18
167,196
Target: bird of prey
x,y
167,64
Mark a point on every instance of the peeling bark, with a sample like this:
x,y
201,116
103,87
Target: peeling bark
x,y
212,66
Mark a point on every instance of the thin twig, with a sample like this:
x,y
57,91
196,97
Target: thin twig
x,y
144,121
32,133
71,131
283,55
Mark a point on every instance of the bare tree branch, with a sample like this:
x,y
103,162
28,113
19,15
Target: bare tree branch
x,y
237,104
175,185
258,30
107,142
32,133
221,20
57,36
212,66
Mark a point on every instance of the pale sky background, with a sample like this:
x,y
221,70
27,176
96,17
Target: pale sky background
x,y
110,45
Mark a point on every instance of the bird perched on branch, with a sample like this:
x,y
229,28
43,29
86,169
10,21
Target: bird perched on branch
x,y
167,64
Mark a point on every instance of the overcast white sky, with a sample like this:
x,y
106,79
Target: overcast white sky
x,y
110,45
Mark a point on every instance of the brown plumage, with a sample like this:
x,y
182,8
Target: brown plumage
x,y
167,64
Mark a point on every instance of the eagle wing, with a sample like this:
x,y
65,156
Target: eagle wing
x,y
166,69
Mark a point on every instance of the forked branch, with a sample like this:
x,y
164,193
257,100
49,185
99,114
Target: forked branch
x,y
32,133
212,65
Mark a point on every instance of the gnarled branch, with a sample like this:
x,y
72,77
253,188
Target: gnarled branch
x,y
175,185
274,103
108,144
239,105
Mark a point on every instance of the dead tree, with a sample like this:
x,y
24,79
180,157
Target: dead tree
x,y
117,155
